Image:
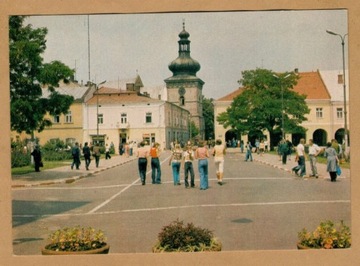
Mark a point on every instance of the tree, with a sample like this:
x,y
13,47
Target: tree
x,y
28,74
208,114
266,100
194,130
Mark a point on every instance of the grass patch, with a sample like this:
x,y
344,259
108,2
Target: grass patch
x,y
30,168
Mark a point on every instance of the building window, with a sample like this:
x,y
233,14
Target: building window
x,y
56,119
339,113
100,119
148,118
68,117
123,118
319,113
182,101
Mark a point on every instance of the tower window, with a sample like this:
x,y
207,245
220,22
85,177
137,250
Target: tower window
x,y
182,101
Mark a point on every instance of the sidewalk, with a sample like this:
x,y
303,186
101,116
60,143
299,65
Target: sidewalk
x,y
64,174
273,160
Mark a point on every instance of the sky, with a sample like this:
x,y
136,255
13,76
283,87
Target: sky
x,y
224,43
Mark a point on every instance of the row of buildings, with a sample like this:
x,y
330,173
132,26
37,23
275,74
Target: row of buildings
x,y
126,111
123,111
325,99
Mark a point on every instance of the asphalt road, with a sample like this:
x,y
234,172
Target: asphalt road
x,y
259,207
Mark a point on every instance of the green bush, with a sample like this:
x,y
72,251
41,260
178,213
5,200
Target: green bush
x,y
20,159
178,237
20,156
55,150
62,155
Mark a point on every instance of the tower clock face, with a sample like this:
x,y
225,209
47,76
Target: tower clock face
x,y
181,91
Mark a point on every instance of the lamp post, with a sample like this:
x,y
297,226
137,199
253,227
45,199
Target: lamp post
x,y
282,104
190,127
97,109
342,37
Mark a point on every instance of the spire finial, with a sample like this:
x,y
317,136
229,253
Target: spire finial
x,y
183,24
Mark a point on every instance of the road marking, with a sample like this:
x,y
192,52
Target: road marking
x,y
120,192
183,207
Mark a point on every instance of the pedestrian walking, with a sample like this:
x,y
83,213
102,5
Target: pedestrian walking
x,y
87,155
219,154
107,152
188,158
290,148
314,151
257,144
248,155
175,162
142,154
131,148
300,157
284,150
96,154
262,147
36,153
332,161
75,152
202,155
155,163
127,149
242,146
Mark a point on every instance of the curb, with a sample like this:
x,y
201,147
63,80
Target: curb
x,y
68,180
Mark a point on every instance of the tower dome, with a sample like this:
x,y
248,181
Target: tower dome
x,y
184,64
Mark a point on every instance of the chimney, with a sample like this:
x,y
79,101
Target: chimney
x,y
340,79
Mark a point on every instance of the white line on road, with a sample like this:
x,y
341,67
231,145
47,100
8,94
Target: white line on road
x,y
120,192
186,207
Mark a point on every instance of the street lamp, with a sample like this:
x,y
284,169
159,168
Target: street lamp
x,y
282,104
344,83
189,127
97,109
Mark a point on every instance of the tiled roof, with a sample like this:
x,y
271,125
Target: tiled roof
x,y
231,96
72,89
106,96
309,84
312,85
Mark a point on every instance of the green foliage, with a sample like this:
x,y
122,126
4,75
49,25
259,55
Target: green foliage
x,y
180,238
327,235
76,239
208,114
28,73
20,156
56,150
193,129
266,99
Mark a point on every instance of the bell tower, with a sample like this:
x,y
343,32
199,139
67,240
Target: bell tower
x,y
184,88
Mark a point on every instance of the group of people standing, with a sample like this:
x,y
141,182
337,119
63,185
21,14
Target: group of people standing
x,y
186,157
330,152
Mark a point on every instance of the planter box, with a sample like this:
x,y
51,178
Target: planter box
x,y
103,250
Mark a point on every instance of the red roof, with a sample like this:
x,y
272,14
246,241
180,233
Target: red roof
x,y
309,84
115,96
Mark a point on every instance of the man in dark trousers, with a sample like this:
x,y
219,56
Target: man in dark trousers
x,y
37,158
87,155
75,151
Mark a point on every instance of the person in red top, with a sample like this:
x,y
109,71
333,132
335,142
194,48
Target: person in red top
x,y
202,154
155,163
